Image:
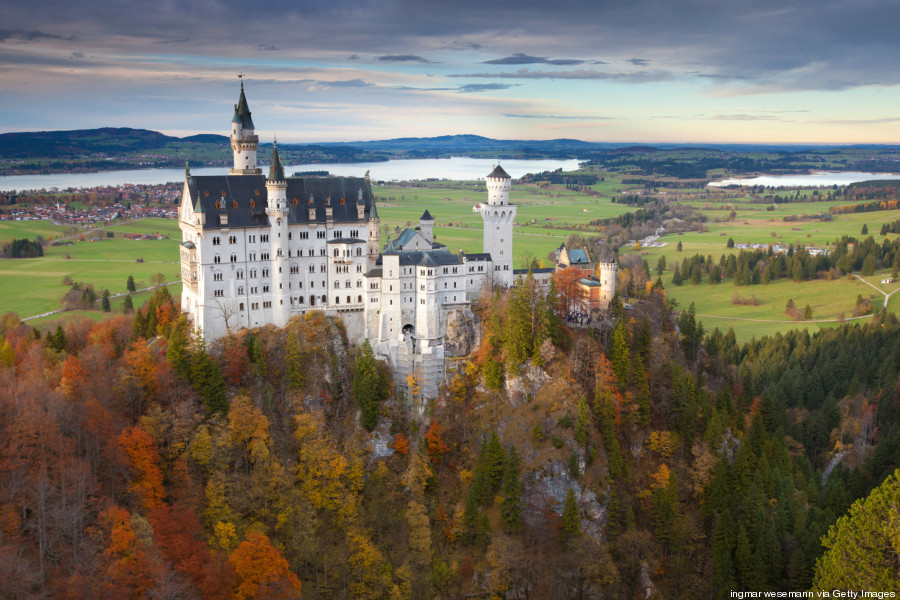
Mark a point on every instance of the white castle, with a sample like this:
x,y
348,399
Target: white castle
x,y
258,251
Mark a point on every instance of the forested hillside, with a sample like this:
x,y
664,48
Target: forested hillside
x,y
644,459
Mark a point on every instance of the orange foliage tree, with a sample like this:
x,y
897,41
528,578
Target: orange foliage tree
x,y
143,459
262,571
567,289
435,445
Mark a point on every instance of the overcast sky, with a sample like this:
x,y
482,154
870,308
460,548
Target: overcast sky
x,y
804,71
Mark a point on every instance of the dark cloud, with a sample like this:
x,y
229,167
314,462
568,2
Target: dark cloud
x,y
353,57
640,62
483,87
24,37
178,41
403,58
265,48
523,59
77,55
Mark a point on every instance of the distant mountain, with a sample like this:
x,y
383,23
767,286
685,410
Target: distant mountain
x,y
457,144
207,138
80,142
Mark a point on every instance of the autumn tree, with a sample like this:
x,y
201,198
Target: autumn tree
x,y
262,571
571,521
143,458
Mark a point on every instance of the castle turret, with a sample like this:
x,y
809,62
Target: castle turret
x,y
426,225
277,211
498,216
607,272
374,224
244,143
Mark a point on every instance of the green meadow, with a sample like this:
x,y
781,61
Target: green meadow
x,y
10,230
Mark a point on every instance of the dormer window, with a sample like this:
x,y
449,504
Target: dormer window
x,y
294,202
252,204
218,205
342,201
234,204
256,192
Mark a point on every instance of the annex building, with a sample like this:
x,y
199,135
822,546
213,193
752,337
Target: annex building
x,y
259,250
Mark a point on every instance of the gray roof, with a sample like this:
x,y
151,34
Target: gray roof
x,y
242,111
478,256
375,273
189,245
206,190
499,172
426,216
428,258
346,241
533,271
276,171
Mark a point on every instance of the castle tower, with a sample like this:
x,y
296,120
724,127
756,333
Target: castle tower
x,y
277,211
607,272
498,216
426,225
374,223
244,142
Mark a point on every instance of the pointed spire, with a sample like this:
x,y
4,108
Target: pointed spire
x,y
276,171
187,169
242,109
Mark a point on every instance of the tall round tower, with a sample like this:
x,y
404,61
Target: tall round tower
x,y
607,272
498,216
277,211
244,142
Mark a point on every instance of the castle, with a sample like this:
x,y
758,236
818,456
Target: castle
x,y
259,250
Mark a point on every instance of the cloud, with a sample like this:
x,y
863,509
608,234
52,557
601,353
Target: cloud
x,y
639,62
403,58
266,48
564,117
24,37
353,57
483,87
347,83
524,59
585,74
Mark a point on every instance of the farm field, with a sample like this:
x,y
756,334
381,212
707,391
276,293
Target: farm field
x,y
831,302
10,230
35,284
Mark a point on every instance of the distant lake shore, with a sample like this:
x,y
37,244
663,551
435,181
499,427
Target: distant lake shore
x,y
456,168
812,179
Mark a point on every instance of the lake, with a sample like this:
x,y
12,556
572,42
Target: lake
x,y
816,179
458,168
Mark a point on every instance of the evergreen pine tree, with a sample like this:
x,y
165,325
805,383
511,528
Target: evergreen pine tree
x,y
208,381
517,333
367,386
177,352
571,521
511,510
104,304
127,305
619,355
58,339
130,285
676,277
138,325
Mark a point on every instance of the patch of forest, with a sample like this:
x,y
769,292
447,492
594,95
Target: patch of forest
x,y
645,457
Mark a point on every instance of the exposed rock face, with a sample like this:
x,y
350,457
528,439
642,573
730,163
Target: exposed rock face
x,y
550,486
462,333
526,385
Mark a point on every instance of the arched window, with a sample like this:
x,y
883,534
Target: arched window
x,y
336,253
359,298
337,300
